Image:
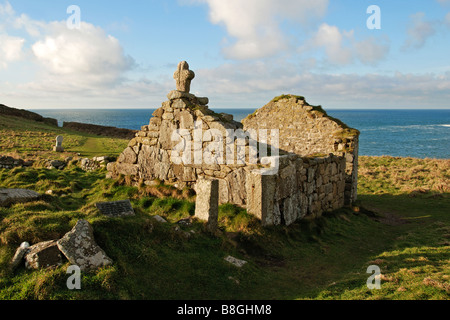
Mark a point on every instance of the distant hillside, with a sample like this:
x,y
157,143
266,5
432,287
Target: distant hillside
x,y
100,130
75,126
4,110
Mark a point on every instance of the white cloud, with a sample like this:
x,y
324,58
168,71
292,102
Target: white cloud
x,y
88,65
78,58
330,38
371,50
85,56
32,27
66,65
341,47
256,27
257,83
6,9
419,31
10,49
255,24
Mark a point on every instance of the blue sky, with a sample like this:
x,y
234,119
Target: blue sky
x,y
244,53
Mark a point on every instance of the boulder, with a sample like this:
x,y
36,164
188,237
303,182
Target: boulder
x,y
159,219
202,101
80,248
18,256
43,255
235,261
56,164
227,117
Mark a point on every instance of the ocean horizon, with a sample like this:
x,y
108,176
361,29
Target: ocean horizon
x,y
414,133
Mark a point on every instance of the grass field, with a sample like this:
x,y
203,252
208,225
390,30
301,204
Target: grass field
x,y
30,139
401,223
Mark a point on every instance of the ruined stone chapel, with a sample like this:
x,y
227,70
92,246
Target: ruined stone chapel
x,y
286,161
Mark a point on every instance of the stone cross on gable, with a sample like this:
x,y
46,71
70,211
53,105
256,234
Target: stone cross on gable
x,y
183,76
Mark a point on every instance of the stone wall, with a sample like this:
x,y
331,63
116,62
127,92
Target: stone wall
x,y
10,162
317,155
7,162
308,131
301,187
148,156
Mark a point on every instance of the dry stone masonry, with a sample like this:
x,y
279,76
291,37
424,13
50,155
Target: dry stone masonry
x,y
301,187
149,156
308,131
286,161
10,162
95,163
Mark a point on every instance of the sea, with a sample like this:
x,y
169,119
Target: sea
x,y
397,133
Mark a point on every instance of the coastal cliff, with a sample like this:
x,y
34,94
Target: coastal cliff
x,y
8,111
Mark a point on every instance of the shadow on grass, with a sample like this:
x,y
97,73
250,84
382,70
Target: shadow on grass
x,y
416,230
